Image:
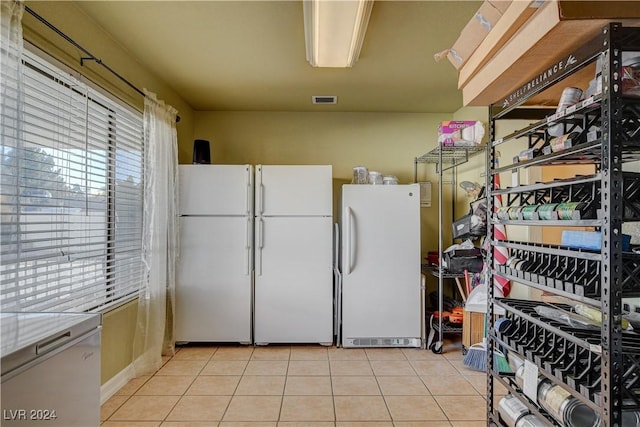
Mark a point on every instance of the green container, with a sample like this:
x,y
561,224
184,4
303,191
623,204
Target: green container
x,y
503,213
514,212
547,211
566,210
528,212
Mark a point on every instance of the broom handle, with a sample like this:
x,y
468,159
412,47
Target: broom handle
x,y
462,294
466,281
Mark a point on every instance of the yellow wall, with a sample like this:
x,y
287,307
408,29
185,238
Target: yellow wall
x,y
386,142
119,324
118,329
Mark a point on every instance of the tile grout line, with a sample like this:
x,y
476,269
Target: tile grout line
x,y
333,397
128,397
198,376
286,376
187,389
234,390
384,399
237,385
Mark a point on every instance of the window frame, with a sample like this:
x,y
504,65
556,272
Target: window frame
x,y
110,272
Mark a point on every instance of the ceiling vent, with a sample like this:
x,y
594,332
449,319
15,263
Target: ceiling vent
x,y
332,99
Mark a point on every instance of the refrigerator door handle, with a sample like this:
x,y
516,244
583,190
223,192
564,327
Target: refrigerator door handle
x,y
260,246
248,198
350,241
248,247
261,192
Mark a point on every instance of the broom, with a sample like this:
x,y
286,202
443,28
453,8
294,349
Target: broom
x,y
476,357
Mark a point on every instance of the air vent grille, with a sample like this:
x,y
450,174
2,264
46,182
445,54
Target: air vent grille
x,y
325,99
382,342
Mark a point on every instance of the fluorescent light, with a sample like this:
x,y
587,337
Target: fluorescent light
x,y
334,31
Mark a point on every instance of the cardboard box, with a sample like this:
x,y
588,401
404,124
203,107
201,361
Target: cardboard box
x,y
544,39
472,328
461,133
511,20
476,30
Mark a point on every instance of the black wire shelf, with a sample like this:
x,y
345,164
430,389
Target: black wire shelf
x,y
585,190
565,271
572,355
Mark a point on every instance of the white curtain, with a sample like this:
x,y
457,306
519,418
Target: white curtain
x,y
10,74
154,329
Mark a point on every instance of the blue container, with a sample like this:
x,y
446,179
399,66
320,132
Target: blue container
x,y
590,240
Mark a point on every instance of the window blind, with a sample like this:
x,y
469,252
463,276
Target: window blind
x,y
71,196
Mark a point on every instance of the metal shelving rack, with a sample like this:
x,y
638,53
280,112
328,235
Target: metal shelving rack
x,y
436,325
600,368
445,158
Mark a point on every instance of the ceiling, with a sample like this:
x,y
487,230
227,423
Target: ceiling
x,y
250,55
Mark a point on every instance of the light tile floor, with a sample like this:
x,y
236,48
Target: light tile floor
x,y
296,386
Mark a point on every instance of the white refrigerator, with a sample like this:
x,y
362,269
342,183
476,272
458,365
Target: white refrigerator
x,y
293,301
214,272
381,271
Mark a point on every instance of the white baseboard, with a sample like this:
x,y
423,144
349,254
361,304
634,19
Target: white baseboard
x,y
118,381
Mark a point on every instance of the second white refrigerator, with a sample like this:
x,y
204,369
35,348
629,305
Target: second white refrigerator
x,y
293,289
381,286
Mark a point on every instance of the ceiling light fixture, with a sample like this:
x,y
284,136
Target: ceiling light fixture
x,y
334,31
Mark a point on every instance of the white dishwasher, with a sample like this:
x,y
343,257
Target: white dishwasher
x,y
50,365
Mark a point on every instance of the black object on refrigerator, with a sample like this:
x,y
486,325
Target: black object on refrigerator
x,y
201,152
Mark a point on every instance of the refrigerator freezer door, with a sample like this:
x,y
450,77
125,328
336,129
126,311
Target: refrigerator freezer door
x,y
213,286
294,190
380,264
215,189
293,280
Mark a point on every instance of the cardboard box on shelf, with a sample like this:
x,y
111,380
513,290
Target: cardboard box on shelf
x,y
461,133
518,51
475,31
510,21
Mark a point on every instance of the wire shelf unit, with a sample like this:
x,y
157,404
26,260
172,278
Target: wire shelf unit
x,y
445,158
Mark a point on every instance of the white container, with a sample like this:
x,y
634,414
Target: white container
x,y
530,421
360,175
511,410
570,96
565,408
389,180
375,178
